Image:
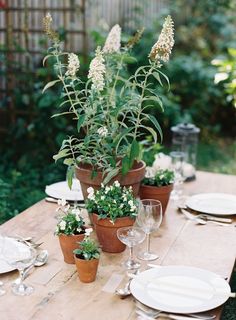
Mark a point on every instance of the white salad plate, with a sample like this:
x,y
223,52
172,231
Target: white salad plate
x,y
213,203
9,244
61,190
180,289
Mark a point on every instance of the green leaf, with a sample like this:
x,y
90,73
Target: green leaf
x,y
157,76
60,114
70,175
125,165
156,124
134,151
45,58
111,174
50,84
61,154
80,122
155,99
153,133
129,59
68,161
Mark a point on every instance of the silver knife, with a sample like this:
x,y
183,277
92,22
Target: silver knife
x,y
218,219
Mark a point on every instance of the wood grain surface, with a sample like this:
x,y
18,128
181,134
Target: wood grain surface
x,y
60,295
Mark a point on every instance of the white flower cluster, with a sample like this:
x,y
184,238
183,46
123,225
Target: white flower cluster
x,y
91,195
162,48
62,225
112,43
49,17
102,131
132,205
73,65
88,231
97,70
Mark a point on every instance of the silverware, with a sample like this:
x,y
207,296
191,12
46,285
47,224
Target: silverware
x,y
206,216
145,316
125,291
201,219
153,313
41,259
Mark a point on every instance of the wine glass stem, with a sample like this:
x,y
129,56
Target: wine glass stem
x,y
131,253
21,273
148,242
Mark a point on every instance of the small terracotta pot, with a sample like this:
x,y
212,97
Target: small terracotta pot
x,y
87,269
158,193
132,178
68,245
106,233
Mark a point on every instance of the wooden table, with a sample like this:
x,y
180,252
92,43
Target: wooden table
x,y
60,295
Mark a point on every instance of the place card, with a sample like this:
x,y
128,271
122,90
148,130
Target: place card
x,y
113,282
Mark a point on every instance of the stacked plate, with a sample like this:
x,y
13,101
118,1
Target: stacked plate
x,y
61,190
180,289
213,203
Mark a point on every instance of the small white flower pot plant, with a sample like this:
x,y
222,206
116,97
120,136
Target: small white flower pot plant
x,y
111,112
111,207
87,258
70,229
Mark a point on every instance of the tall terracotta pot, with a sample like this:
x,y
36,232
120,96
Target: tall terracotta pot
x,y
107,233
132,178
87,269
158,193
68,245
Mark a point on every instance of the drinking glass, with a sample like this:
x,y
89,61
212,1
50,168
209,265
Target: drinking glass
x,y
131,236
2,290
149,219
19,256
177,159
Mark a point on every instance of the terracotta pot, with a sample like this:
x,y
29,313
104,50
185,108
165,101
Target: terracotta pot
x,y
158,193
87,269
132,178
106,233
68,245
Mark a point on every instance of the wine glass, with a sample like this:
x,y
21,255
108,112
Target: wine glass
x,y
2,290
177,159
149,219
131,236
20,256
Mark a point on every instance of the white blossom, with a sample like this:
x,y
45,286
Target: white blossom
x,y
116,183
131,203
88,231
62,225
150,172
162,48
102,197
90,190
76,211
112,43
102,131
49,17
91,196
79,229
73,65
97,70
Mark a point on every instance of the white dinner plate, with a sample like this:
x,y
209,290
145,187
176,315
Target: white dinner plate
x,y
12,244
180,289
61,190
213,203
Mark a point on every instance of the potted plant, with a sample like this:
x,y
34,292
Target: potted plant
x,y
111,207
110,110
70,229
87,258
157,185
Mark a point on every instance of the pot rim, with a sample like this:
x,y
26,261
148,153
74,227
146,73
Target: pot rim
x,y
143,165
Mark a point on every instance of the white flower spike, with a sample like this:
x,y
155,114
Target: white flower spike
x,y
73,65
112,43
97,70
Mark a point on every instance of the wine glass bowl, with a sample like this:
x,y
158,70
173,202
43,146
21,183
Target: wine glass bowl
x,y
20,256
131,236
149,219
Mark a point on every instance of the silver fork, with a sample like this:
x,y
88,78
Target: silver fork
x,y
144,310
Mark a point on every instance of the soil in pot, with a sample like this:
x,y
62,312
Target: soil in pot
x,y
158,193
87,269
107,233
